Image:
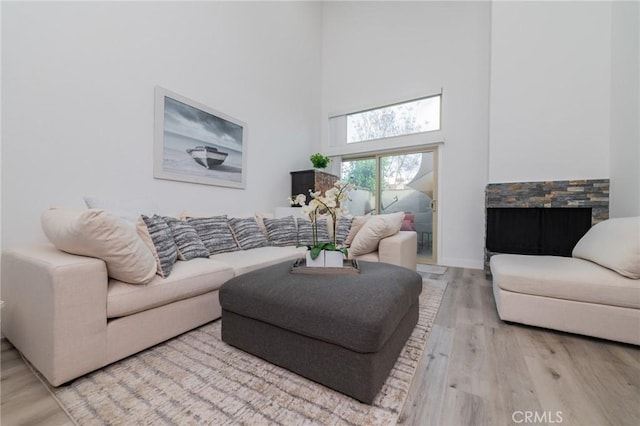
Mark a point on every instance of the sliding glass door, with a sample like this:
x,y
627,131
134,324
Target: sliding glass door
x,y
398,182
362,172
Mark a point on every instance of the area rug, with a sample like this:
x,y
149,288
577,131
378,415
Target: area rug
x,y
432,269
196,378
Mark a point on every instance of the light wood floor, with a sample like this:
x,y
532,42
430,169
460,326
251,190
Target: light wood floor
x,y
476,370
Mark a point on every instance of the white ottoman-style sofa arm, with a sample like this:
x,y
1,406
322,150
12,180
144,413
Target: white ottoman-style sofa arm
x,y
400,249
55,310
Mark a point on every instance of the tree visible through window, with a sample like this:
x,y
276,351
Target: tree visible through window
x,y
396,172
406,118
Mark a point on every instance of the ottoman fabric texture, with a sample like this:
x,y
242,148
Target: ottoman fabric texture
x,y
359,312
344,331
359,375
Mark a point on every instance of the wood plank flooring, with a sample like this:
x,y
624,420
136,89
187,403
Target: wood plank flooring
x,y
476,370
25,400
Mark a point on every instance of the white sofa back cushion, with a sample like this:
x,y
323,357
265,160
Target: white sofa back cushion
x,y
96,233
614,244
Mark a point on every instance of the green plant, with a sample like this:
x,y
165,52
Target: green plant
x,y
315,250
319,161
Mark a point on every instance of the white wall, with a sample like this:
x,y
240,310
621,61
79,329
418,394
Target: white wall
x,y
377,52
625,109
550,91
77,100
77,96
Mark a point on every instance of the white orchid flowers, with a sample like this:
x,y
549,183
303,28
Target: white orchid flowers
x,y
325,205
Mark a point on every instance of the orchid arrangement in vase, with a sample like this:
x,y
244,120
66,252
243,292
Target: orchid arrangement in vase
x,y
320,205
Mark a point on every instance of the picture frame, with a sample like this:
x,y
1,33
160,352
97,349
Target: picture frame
x,y
198,144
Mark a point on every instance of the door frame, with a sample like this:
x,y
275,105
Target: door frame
x,y
434,203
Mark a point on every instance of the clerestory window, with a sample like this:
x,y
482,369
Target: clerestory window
x,y
405,118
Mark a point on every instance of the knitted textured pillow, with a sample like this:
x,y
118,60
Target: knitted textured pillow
x,y
342,229
155,232
215,233
282,232
305,231
247,233
189,244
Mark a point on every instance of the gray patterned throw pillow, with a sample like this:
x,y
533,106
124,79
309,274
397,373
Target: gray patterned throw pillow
x,y
282,232
189,244
155,230
305,231
215,233
342,229
247,233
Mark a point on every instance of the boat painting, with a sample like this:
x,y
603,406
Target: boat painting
x,y
195,143
207,156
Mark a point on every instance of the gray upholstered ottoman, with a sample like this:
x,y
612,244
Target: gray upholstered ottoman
x,y
344,331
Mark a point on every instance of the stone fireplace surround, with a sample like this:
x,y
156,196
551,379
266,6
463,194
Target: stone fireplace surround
x,y
588,193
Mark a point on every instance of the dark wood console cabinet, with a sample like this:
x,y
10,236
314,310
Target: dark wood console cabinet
x,y
314,180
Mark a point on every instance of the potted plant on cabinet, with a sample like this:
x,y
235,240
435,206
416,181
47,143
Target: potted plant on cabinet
x,y
319,161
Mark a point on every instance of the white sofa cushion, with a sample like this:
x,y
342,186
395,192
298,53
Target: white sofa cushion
x,y
564,278
248,260
96,233
188,279
376,228
614,244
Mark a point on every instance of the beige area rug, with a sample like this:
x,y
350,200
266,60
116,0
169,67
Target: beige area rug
x,y
196,378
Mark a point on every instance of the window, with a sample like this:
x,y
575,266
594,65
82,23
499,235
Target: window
x,y
416,116
362,173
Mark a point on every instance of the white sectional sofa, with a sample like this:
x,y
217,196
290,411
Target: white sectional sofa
x,y
596,292
68,316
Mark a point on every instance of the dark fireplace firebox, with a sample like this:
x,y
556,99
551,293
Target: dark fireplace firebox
x,y
539,231
542,218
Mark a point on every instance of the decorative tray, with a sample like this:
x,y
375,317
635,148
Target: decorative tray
x,y
350,267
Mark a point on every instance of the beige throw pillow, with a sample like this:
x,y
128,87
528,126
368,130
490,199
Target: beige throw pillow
x,y
376,228
96,233
614,244
356,224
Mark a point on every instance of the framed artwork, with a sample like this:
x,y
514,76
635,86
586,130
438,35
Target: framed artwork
x,y
195,143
